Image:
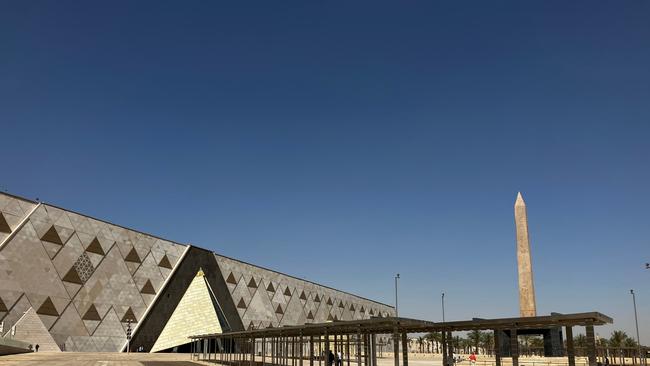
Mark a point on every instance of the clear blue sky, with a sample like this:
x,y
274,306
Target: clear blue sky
x,y
344,142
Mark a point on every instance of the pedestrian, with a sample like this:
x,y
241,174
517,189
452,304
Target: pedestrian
x,y
472,359
37,347
339,356
330,358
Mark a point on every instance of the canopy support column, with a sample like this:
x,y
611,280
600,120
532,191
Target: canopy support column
x,y
445,361
327,348
396,346
514,347
347,348
405,349
359,347
373,350
591,344
497,347
450,348
311,350
300,345
570,352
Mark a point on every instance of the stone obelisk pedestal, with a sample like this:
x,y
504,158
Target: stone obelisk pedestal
x,y
527,305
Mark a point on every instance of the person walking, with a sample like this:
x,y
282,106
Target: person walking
x,y
330,358
339,358
472,359
37,347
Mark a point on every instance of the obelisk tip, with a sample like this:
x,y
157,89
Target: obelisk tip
x,y
520,199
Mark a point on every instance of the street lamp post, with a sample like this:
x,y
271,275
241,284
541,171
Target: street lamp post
x,y
443,307
636,321
396,312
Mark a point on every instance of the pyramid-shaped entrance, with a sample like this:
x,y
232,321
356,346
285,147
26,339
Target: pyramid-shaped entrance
x,y
197,313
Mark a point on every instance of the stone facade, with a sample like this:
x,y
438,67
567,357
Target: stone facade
x,y
266,298
87,280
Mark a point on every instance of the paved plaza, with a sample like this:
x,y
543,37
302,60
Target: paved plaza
x,y
98,359
176,359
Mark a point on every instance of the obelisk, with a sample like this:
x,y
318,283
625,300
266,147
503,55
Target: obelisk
x,y
527,305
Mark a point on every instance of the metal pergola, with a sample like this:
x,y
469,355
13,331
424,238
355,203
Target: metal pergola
x,y
356,339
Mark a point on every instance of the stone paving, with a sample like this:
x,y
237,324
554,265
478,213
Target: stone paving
x,y
97,359
182,359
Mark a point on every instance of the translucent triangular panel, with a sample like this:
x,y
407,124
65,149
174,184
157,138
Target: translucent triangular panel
x,y
194,314
30,329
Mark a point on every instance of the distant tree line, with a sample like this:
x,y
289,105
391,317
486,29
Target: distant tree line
x,y
618,345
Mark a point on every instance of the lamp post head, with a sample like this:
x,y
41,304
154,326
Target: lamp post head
x,y
397,276
632,292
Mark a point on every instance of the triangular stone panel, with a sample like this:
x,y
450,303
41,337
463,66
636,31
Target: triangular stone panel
x,y
95,247
293,313
30,329
69,324
148,288
51,236
164,262
91,325
194,314
51,249
91,314
110,326
73,277
260,309
47,308
132,267
231,279
279,298
133,256
270,288
4,226
129,315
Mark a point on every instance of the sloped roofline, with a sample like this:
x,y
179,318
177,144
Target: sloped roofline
x,y
188,244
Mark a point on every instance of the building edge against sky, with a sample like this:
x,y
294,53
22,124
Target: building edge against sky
x,y
74,283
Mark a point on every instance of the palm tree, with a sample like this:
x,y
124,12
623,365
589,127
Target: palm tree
x,y
617,338
602,342
421,344
580,341
616,341
487,342
474,338
525,341
537,344
629,344
437,338
456,343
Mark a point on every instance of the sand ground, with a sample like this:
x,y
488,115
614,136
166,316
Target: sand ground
x,y
172,359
